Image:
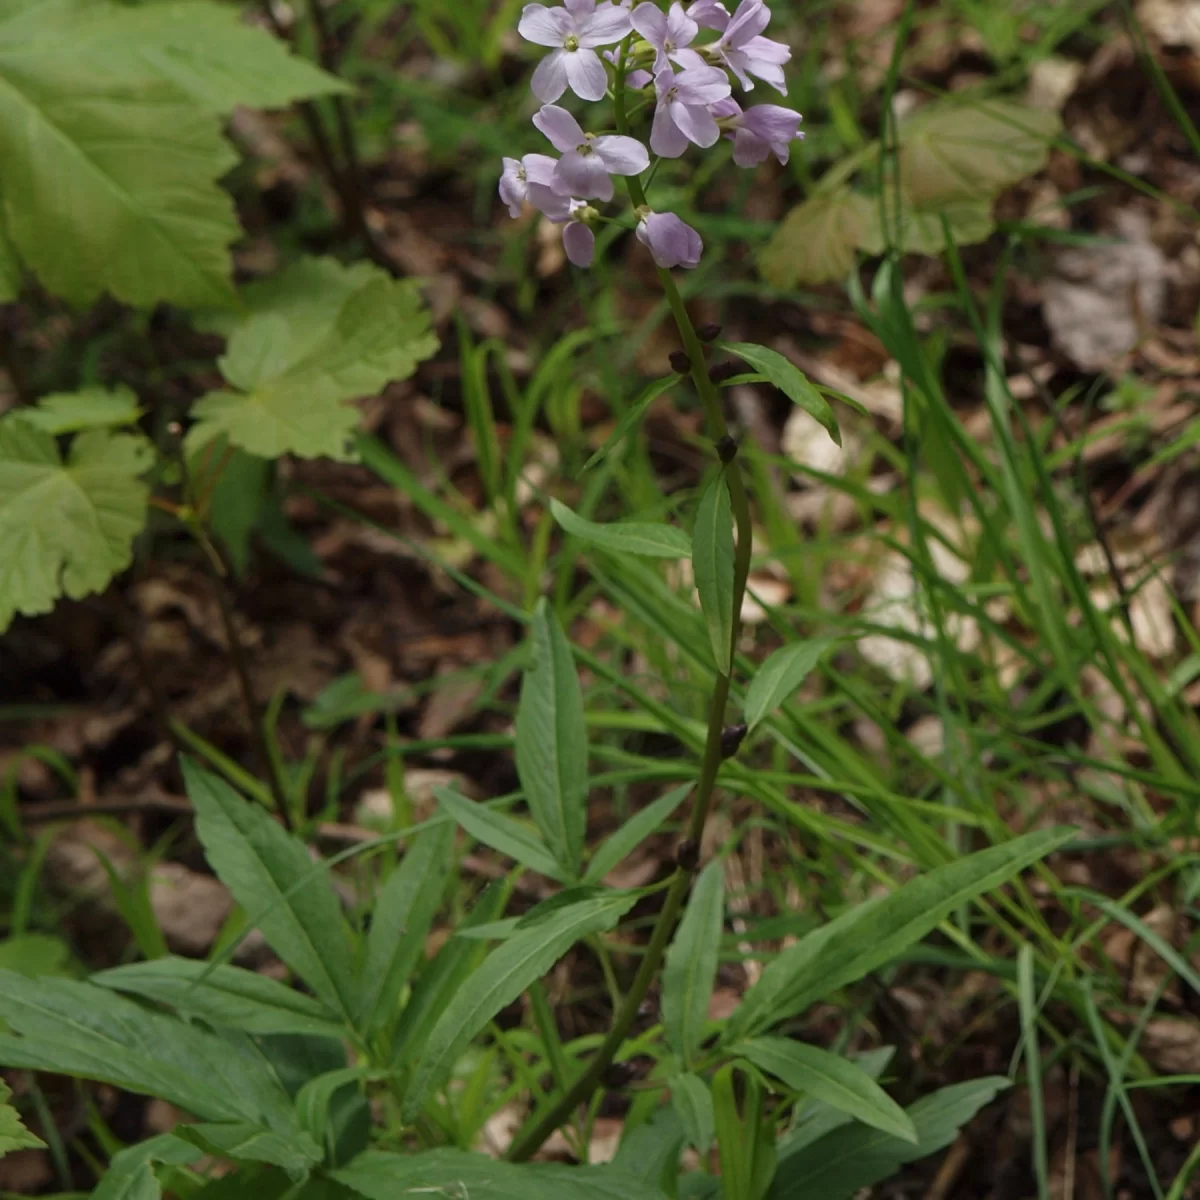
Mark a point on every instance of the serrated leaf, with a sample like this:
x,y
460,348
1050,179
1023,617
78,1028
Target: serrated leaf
x,y
955,151
224,995
690,969
506,972
843,1162
693,1103
90,408
712,567
643,538
501,832
79,1029
633,832
782,673
831,1079
551,741
920,231
871,934
296,362
816,240
13,1134
790,380
630,418
454,1174
270,874
65,528
400,921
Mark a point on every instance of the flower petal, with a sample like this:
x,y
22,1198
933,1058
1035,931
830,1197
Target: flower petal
x,y
621,155
666,140
648,19
562,130
710,13
702,85
582,175
638,79
672,242
695,123
512,187
751,18
606,25
545,26
550,79
772,123
687,60
555,208
586,75
579,243
539,168
748,150
681,29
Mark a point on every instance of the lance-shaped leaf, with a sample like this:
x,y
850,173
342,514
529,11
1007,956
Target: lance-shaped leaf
x,y
712,566
501,832
552,749
642,538
691,963
778,677
66,528
790,380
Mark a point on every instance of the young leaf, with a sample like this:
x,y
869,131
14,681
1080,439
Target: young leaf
x,y
293,368
745,1134
790,380
635,831
501,832
642,538
72,412
224,996
691,963
692,1101
552,749
13,1134
843,1162
632,415
920,231
832,1079
379,1175
712,565
870,935
65,528
510,968
403,914
783,672
961,151
78,1029
239,1140
272,877
816,240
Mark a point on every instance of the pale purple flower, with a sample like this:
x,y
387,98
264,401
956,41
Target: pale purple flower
x,y
712,14
682,115
670,34
573,215
745,53
588,161
672,242
638,79
518,175
573,33
759,131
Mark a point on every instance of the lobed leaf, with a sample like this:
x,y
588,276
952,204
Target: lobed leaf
x,y
13,1134
815,242
90,408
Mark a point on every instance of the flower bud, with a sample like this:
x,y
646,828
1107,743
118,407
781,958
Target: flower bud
x,y
708,332
727,449
731,739
721,371
680,363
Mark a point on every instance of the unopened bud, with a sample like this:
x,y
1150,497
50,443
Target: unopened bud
x,y
618,1075
721,371
727,449
731,739
687,855
680,363
708,332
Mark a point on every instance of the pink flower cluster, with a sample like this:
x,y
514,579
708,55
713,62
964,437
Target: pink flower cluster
x,y
688,82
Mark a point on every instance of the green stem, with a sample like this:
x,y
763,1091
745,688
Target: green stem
x,y
530,1140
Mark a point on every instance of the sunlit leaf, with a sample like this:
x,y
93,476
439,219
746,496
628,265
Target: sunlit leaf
x,y
90,408
13,1134
782,673
816,241
920,231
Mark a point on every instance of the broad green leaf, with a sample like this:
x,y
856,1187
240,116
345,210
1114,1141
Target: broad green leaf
x,y
790,380
501,832
91,408
271,875
130,1175
690,969
633,832
870,935
206,50
379,1175
642,538
552,750
293,367
920,231
79,1029
401,918
506,972
632,415
712,566
852,1157
782,673
816,241
13,1134
224,995
692,1102
295,1152
957,151
65,528
34,954
832,1079
651,1150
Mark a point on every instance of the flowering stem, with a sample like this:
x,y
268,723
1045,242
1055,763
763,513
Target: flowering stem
x,y
530,1140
